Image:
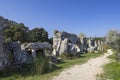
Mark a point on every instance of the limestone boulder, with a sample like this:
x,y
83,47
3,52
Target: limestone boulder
x,y
73,49
3,54
36,45
65,43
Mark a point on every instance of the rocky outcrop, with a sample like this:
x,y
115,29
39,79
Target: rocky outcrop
x,y
13,54
65,43
100,45
83,45
33,47
3,55
94,45
91,45
16,56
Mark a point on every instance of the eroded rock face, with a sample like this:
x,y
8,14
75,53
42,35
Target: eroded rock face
x,y
3,54
16,56
83,45
33,47
65,43
94,45
20,55
100,45
91,45
9,53
36,45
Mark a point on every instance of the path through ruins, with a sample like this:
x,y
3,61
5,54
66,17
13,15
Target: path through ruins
x,y
87,71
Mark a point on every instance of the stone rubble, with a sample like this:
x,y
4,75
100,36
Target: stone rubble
x,y
66,43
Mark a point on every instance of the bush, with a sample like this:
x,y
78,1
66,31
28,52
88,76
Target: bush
x,y
113,39
40,66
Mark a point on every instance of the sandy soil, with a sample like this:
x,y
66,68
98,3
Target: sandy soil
x,y
87,71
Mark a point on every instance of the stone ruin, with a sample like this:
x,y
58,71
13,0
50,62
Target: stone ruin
x,y
65,43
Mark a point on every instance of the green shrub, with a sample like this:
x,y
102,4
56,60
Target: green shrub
x,y
41,65
67,56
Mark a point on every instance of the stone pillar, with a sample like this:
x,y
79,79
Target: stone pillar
x,y
89,42
82,44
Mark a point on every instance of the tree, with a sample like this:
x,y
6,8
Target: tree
x,y
113,39
99,38
81,35
112,36
38,35
51,40
16,32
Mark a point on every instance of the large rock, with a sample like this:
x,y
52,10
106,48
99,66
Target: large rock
x,y
33,47
100,45
36,45
16,56
91,45
6,49
83,45
3,55
94,45
65,43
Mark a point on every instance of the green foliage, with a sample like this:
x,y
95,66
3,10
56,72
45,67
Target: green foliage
x,y
38,35
51,40
81,35
113,39
29,72
99,39
39,67
67,56
42,64
106,47
19,32
16,32
111,70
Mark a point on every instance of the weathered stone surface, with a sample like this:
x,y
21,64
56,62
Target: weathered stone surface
x,y
16,56
73,49
94,45
33,47
91,45
83,45
8,50
3,55
19,54
65,43
36,45
100,45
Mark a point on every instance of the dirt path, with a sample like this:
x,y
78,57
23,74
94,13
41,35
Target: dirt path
x,y
87,71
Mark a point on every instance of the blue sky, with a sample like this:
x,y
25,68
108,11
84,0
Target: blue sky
x,y
91,17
